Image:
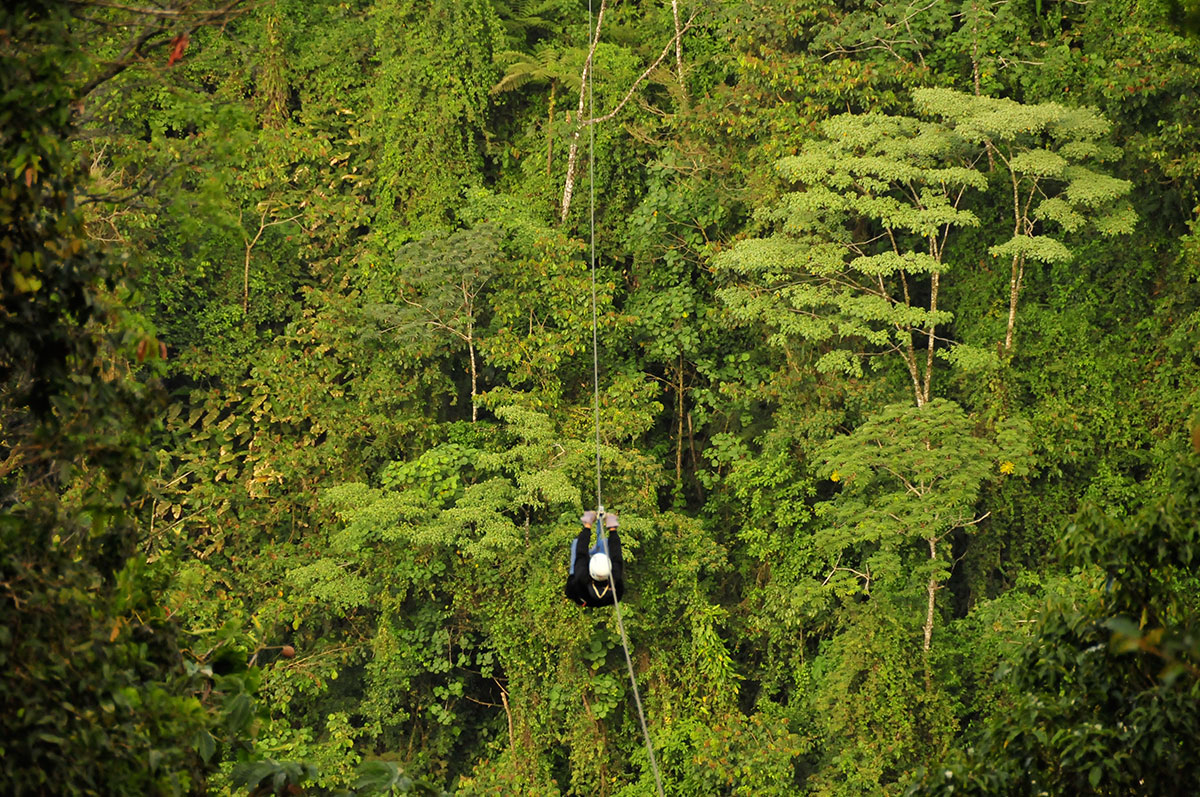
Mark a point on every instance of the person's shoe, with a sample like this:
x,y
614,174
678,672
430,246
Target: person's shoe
x,y
589,518
610,520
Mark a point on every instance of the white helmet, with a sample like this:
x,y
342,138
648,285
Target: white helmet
x,y
600,567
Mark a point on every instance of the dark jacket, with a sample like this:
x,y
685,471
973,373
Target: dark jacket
x,y
581,588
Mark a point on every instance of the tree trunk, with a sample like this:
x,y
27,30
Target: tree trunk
x,y
933,305
468,305
573,151
1018,266
678,49
1014,292
474,387
910,351
569,182
975,59
931,592
910,359
512,739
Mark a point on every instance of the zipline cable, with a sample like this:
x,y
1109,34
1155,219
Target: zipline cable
x,y
637,698
592,259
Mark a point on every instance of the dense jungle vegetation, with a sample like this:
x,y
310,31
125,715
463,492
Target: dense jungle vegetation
x,y
897,310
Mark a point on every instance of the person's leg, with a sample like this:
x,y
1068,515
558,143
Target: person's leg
x,y
617,579
577,573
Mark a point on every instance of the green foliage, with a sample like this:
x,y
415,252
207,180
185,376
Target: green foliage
x,y
271,777
429,103
385,777
1049,152
881,195
101,694
544,65
1102,697
736,755
329,555
876,718
907,473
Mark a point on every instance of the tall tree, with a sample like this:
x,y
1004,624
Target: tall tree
x,y
908,473
440,286
1101,695
858,253
1050,154
98,695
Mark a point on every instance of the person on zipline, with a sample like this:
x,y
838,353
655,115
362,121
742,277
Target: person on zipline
x,y
596,572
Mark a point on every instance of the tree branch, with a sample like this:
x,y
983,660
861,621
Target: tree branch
x,y
183,12
573,150
157,20
629,94
263,224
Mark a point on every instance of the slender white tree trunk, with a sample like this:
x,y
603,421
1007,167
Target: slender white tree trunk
x,y
933,306
581,122
573,150
1014,292
474,378
678,48
930,594
1018,266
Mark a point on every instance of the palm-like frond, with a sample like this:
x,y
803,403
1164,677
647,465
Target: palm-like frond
x,y
546,65
520,17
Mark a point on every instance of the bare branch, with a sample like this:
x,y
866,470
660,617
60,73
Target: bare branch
x,y
263,224
434,322
907,484
866,577
881,43
184,12
629,94
155,22
573,150
974,522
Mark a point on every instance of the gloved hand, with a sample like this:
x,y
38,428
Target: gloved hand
x,y
589,518
610,520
